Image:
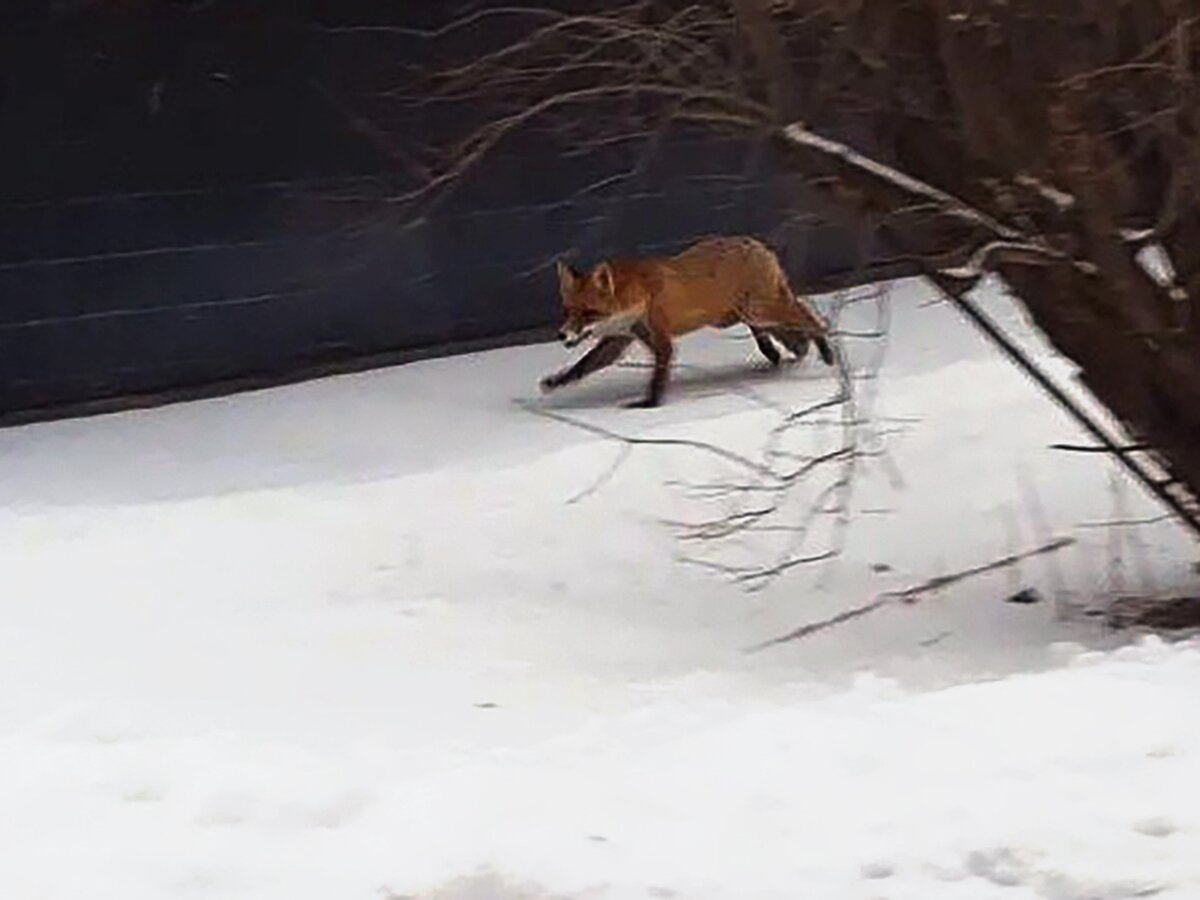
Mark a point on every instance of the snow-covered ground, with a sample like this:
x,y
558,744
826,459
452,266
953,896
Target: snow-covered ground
x,y
396,635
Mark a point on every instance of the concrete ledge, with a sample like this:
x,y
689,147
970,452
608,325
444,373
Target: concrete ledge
x,y
253,381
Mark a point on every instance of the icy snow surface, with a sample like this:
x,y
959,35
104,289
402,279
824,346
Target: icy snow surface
x,y
395,635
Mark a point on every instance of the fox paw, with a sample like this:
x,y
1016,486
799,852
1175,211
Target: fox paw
x,y
549,383
644,403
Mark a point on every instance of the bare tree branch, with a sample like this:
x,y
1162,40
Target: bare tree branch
x,y
1005,138
913,594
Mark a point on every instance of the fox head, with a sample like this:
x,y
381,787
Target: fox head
x,y
587,298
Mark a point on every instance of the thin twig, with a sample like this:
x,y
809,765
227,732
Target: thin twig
x,y
605,477
912,594
633,440
1091,448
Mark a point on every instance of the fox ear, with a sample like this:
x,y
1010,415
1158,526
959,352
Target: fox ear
x,y
602,277
566,278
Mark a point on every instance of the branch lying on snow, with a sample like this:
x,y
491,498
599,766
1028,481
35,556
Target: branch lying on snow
x,y
604,477
769,513
758,577
1088,448
912,594
1124,523
764,485
703,446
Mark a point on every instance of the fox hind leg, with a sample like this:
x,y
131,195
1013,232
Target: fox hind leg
x,y
825,349
798,343
794,339
766,346
798,325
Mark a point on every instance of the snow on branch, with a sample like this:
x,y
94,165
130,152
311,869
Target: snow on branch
x,y
797,133
1059,198
1010,245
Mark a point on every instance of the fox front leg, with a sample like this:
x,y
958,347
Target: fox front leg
x,y
604,354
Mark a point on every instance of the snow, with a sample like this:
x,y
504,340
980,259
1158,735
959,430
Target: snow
x,y
394,634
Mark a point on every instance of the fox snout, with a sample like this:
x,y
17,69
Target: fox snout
x,y
571,337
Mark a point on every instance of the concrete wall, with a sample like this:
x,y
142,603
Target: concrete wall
x,y
194,197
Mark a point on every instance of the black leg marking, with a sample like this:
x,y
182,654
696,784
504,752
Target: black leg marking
x,y
605,353
794,339
766,346
825,350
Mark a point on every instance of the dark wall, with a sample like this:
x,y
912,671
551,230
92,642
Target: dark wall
x,y
197,192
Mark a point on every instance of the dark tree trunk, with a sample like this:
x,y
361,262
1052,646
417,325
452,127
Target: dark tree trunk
x,y
1052,142
1010,105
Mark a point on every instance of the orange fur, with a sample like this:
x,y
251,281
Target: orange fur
x,y
717,282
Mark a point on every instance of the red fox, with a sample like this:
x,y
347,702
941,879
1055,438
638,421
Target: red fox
x,y
717,282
